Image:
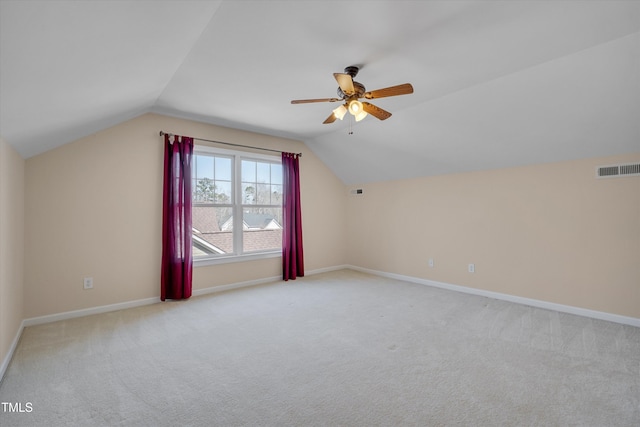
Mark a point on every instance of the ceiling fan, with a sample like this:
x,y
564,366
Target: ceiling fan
x,y
350,91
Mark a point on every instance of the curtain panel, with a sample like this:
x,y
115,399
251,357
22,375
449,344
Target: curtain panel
x,y
177,258
292,252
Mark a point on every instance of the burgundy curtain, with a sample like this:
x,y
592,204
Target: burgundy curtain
x,y
177,261
292,254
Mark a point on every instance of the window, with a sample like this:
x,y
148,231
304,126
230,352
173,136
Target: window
x,y
237,205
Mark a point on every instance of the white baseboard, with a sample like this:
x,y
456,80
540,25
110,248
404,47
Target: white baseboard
x,y
12,349
89,311
328,269
222,288
256,282
616,318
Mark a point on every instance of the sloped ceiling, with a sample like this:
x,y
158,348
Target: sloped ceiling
x,y
497,83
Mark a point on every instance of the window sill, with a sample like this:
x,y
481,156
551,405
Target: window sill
x,y
201,262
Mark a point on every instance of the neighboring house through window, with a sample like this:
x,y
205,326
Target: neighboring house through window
x,y
237,205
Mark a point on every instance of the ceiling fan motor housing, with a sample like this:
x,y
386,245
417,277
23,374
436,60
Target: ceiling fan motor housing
x,y
359,91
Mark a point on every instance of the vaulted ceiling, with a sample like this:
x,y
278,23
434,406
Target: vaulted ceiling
x,y
497,83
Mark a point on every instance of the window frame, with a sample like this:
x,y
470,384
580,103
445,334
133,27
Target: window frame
x,y
236,206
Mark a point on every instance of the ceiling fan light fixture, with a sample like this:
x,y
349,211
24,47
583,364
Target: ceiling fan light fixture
x,y
355,107
361,115
340,112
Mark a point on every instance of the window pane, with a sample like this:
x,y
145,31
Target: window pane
x,y
223,169
276,173
204,167
263,196
204,191
262,229
223,192
248,193
276,194
248,171
212,231
263,172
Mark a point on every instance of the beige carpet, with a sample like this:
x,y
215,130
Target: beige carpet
x,y
335,349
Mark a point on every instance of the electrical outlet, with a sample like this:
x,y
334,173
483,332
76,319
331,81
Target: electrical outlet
x,y
472,268
88,282
430,262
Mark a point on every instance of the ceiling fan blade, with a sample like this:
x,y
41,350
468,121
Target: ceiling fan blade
x,y
403,89
345,81
375,111
332,118
307,101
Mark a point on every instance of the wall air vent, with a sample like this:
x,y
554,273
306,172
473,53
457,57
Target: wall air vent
x,y
617,171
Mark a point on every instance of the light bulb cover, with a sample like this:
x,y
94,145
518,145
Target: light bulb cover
x,y
355,107
361,115
340,112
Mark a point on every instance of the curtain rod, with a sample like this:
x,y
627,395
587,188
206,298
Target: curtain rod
x,y
229,143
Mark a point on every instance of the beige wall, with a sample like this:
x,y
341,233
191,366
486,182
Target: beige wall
x,y
11,245
93,208
549,232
